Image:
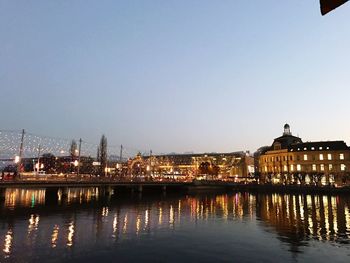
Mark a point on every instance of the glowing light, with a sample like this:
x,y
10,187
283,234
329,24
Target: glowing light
x,y
115,225
125,224
8,243
171,216
105,211
146,219
54,236
138,224
160,216
16,159
33,223
70,234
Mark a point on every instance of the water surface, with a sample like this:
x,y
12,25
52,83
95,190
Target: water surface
x,y
235,227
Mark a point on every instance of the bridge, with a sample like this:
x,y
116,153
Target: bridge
x,y
105,187
109,187
90,183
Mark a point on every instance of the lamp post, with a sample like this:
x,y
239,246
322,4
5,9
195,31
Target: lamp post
x,y
39,149
78,172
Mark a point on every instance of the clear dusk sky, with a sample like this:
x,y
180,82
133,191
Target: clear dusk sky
x,y
175,75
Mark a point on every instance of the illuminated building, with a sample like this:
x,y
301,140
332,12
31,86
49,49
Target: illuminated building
x,y
211,165
291,161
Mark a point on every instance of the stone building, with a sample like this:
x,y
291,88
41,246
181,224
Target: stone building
x,y
291,161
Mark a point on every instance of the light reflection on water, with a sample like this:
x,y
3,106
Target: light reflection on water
x,y
24,197
80,224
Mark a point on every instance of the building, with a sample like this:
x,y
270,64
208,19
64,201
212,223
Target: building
x,y
239,165
291,161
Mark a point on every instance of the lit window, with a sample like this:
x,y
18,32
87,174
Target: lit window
x,y
285,168
265,168
330,167
298,167
321,156
291,150
327,148
314,167
272,159
298,149
312,148
305,149
292,167
305,157
322,167
341,156
342,167
320,148
329,156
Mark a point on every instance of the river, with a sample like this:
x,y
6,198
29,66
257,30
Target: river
x,y
205,227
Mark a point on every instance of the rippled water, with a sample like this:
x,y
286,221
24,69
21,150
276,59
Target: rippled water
x,y
235,227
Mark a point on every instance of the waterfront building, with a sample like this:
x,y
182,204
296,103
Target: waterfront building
x,y
236,166
291,161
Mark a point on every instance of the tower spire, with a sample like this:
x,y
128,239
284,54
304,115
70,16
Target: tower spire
x,y
287,130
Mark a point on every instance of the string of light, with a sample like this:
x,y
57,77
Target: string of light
x,y
10,141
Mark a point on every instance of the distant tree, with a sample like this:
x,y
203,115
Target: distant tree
x,y
208,169
204,168
49,162
257,175
86,165
98,154
345,178
300,176
102,153
214,170
316,178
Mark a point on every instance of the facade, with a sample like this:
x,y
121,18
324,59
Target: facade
x,y
291,161
212,165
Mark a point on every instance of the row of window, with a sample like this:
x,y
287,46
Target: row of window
x,y
298,167
311,148
321,157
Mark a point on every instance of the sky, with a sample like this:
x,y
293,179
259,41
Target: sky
x,y
176,75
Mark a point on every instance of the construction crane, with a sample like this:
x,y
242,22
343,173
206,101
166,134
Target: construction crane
x,y
329,5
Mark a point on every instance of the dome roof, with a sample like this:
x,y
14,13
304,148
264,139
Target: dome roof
x,y
286,126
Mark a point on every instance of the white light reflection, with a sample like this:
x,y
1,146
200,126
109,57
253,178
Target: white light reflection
x,y
160,216
125,223
70,234
179,211
171,216
105,211
8,243
146,219
33,223
54,236
347,220
138,224
115,225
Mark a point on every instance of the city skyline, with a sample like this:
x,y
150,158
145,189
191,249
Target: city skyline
x,y
177,76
